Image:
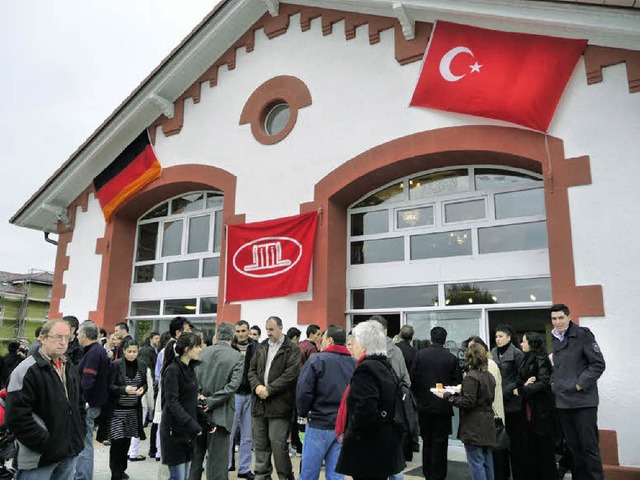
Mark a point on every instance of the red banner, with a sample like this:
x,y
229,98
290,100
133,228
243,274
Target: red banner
x,y
508,76
270,259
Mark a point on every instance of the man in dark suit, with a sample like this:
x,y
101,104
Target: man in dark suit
x,y
434,365
406,346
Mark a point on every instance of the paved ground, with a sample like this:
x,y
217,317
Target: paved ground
x,y
150,469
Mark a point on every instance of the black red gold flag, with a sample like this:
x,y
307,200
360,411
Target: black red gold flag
x,y
129,173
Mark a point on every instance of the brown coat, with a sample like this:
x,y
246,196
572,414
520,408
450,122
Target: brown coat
x,y
476,414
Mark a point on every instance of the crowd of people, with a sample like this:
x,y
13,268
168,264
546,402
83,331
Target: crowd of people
x,y
334,399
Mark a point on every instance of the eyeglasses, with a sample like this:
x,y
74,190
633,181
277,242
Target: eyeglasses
x,y
59,338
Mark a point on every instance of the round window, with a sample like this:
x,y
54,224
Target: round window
x,y
277,119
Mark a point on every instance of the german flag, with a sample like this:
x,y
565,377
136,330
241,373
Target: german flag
x,y
129,173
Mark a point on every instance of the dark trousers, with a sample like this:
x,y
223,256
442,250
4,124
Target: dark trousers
x,y
514,423
540,457
580,427
152,440
435,431
501,469
118,455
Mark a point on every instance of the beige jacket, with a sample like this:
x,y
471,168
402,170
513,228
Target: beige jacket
x,y
498,405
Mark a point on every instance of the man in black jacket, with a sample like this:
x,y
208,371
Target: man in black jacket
x,y
45,408
577,365
242,418
434,365
273,373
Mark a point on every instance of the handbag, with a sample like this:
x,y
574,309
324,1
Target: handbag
x,y
502,437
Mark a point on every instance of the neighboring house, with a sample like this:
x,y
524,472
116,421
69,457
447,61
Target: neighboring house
x,y
24,304
269,109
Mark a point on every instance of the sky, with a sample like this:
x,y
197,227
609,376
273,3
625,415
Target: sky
x,y
65,66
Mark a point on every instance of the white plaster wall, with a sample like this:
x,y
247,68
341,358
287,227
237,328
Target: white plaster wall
x,y
360,100
83,276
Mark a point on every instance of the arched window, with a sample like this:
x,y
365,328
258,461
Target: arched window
x,y
177,258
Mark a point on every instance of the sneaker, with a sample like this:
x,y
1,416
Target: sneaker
x,y
248,475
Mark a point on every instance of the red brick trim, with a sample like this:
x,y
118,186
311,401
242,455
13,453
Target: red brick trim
x,y
285,88
596,58
117,245
65,235
439,148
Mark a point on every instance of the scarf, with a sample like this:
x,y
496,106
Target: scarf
x,y
337,349
341,420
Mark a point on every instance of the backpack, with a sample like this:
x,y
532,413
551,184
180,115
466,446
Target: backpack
x,y
405,416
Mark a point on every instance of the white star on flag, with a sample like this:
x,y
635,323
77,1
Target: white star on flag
x,y
475,67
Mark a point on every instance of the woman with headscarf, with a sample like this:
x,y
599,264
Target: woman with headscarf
x,y
372,445
534,387
509,357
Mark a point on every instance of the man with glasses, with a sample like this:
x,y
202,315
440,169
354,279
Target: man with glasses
x,y
45,409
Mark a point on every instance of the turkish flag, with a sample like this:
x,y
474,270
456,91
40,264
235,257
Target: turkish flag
x,y
508,76
270,259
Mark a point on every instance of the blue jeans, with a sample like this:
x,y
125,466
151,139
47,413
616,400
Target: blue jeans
x,y
242,420
480,460
319,445
84,467
62,470
179,472
397,476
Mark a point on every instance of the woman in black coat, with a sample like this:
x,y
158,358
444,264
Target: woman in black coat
x,y
534,387
509,357
477,428
180,412
372,445
122,417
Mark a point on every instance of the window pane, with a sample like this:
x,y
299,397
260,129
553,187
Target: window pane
x,y
139,309
172,238
217,235
180,306
509,238
446,244
439,183
148,273
209,305
214,200
464,211
415,217
370,222
377,251
159,211
414,296
504,291
494,178
391,194
188,203
198,234
147,241
524,203
211,267
180,270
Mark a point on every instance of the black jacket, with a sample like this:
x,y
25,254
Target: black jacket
x,y
245,386
577,360
322,382
408,352
432,365
117,385
372,445
283,376
47,421
179,426
94,373
537,397
509,362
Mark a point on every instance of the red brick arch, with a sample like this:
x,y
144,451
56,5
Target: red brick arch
x,y
443,147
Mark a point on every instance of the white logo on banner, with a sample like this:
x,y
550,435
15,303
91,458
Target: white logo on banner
x,y
266,254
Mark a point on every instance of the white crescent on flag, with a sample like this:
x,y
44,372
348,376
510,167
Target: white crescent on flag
x,y
445,63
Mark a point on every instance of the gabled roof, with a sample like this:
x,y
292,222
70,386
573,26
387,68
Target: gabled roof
x,y
14,283
229,20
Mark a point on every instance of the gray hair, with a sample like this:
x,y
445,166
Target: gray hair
x,y
370,336
90,329
46,328
225,332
